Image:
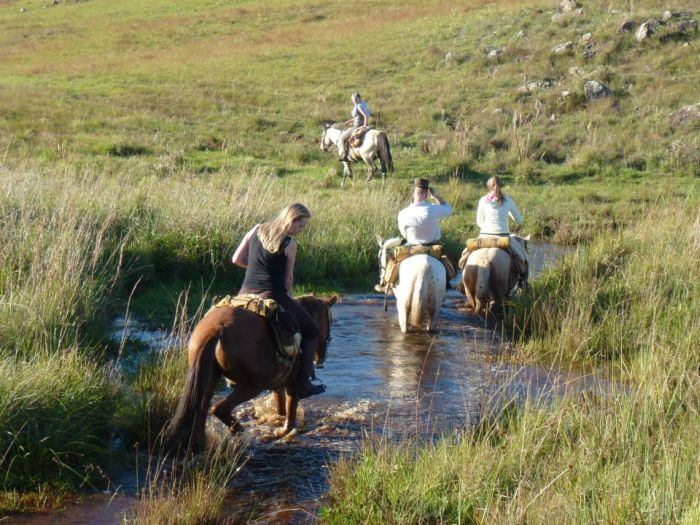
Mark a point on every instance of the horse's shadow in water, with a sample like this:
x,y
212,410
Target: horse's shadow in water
x,y
239,344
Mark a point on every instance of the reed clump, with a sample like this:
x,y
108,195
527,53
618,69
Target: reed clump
x,y
184,494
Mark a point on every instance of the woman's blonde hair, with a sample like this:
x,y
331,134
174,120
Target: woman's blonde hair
x,y
272,233
494,185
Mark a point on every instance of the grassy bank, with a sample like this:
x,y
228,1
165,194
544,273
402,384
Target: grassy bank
x,y
628,303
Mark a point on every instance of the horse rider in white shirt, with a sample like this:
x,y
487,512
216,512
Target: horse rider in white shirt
x,y
419,221
360,117
493,212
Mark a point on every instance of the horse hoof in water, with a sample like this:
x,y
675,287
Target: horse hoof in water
x,y
235,427
286,435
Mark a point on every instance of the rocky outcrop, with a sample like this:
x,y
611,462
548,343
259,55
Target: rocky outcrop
x,y
684,115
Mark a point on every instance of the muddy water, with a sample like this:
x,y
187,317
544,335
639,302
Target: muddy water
x,y
378,380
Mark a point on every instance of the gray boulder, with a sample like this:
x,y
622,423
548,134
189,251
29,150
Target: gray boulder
x,y
567,5
645,30
563,48
627,26
595,90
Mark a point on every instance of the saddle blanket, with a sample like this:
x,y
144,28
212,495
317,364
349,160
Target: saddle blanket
x,y
288,345
403,252
355,140
266,308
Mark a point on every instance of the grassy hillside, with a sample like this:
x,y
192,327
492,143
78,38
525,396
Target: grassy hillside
x,y
200,86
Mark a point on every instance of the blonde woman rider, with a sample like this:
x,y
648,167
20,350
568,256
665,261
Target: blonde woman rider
x,y
268,253
493,212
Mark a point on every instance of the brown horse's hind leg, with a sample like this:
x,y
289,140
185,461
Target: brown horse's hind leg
x,y
224,408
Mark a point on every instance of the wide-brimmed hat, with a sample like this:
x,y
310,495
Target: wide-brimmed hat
x,y
421,183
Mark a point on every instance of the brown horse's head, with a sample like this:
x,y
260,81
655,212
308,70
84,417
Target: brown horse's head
x,y
320,311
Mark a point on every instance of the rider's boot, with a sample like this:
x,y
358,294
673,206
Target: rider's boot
x,y
306,370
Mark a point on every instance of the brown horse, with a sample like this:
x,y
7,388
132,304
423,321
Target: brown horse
x,y
238,344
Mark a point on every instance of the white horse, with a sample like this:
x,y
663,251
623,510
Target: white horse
x,y
419,290
488,276
375,145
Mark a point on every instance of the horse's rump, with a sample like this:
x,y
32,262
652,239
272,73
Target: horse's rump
x,y
487,279
420,291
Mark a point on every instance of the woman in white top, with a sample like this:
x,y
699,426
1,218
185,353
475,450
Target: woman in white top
x,y
494,210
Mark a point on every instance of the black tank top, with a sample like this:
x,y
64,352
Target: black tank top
x,y
266,271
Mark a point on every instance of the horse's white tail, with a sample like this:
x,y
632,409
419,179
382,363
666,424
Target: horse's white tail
x,y
417,304
384,152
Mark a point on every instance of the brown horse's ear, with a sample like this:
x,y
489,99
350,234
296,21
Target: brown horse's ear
x,y
380,242
332,300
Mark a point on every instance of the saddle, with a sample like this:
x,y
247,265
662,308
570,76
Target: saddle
x,y
518,267
357,136
483,242
400,253
284,327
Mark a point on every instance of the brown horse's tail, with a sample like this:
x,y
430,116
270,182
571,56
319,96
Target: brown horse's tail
x,y
186,429
385,153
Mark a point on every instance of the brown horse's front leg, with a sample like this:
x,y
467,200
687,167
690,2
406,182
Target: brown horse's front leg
x,y
290,422
280,401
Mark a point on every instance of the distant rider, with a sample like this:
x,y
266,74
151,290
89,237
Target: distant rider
x,y
360,117
268,253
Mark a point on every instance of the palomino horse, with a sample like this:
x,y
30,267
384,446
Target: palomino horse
x,y
489,277
419,290
239,344
374,145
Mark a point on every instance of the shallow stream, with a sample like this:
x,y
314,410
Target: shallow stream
x,y
378,381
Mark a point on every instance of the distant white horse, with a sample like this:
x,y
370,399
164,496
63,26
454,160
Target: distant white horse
x,y
375,145
419,290
488,276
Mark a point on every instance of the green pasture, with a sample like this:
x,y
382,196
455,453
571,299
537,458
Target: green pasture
x,y
139,141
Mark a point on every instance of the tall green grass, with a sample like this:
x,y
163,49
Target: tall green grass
x,y
56,420
629,455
